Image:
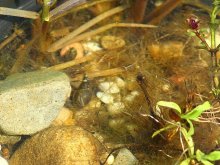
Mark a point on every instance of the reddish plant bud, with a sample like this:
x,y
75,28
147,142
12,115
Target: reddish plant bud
x,y
193,22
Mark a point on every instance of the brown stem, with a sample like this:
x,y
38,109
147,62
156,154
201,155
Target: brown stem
x,y
162,11
138,10
202,40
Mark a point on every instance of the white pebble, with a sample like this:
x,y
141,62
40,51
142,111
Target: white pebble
x,y
91,46
3,161
135,93
120,82
166,88
105,97
110,159
130,97
109,87
116,108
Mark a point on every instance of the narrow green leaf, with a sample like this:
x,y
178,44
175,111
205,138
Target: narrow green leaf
x,y
163,129
168,104
191,128
213,156
206,162
185,162
197,111
189,140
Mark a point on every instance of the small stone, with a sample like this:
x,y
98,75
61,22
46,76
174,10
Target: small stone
x,y
109,87
65,117
120,82
130,97
112,42
29,102
166,88
62,145
91,47
110,160
105,97
115,108
3,161
125,157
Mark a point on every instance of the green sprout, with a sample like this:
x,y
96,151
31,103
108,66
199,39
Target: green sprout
x,y
47,4
187,132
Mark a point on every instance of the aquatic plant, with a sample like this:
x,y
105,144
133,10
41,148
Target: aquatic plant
x,y
194,25
186,128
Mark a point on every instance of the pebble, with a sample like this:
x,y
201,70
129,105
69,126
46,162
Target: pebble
x,y
105,97
3,161
63,145
109,87
120,82
125,157
29,102
115,108
112,42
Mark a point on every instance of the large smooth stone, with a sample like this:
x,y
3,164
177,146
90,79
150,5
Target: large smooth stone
x,y
63,145
29,102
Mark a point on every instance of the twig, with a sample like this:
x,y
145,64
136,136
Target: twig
x,y
54,15
18,13
104,28
16,33
74,62
162,11
101,73
59,44
138,10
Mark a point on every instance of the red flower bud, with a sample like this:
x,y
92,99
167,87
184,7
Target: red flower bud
x,y
193,22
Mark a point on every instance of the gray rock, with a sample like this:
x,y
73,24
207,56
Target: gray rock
x,y
29,102
125,157
64,145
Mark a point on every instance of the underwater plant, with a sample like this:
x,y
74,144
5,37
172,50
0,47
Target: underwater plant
x,y
186,128
195,30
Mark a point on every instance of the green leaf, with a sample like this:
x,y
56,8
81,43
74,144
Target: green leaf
x,y
199,155
163,129
191,128
213,156
168,104
197,111
206,162
185,162
189,141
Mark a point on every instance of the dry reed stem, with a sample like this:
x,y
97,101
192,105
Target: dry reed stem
x,y
138,10
74,62
102,73
162,11
60,43
16,33
106,27
18,13
54,16
199,4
